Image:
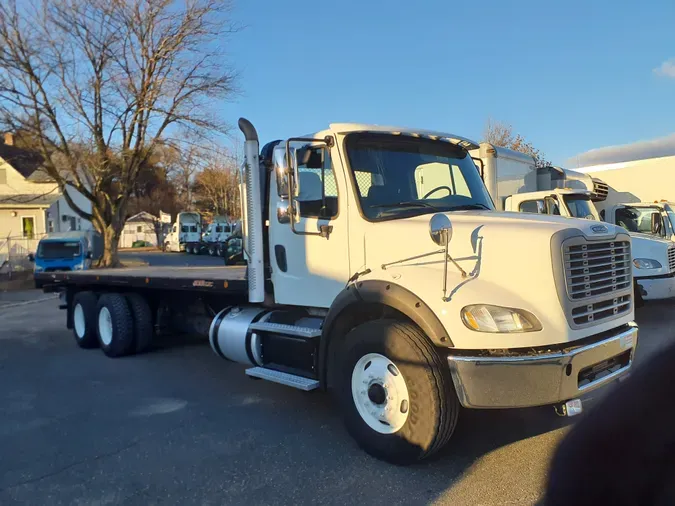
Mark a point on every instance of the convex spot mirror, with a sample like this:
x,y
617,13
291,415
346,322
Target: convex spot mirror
x,y
440,229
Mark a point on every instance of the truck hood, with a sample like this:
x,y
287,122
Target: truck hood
x,y
640,237
508,261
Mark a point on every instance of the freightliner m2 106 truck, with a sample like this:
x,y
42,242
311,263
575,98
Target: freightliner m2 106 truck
x,y
378,268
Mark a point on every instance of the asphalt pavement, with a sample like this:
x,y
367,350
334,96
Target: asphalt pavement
x,y
180,426
160,258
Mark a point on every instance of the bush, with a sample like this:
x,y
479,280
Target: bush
x,y
140,244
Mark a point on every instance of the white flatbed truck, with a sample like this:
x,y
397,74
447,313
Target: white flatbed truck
x,y
409,302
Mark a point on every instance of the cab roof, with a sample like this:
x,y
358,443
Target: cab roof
x,y
345,128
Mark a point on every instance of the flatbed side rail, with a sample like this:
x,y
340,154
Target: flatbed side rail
x,y
55,281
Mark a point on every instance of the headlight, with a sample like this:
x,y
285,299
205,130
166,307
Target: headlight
x,y
38,268
78,267
486,318
646,263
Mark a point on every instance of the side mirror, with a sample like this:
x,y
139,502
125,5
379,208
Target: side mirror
x,y
31,257
657,224
292,165
440,229
281,170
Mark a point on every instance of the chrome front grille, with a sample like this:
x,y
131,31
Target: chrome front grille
x,y
671,259
593,269
599,310
598,279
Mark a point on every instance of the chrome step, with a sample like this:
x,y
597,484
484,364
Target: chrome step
x,y
286,330
290,380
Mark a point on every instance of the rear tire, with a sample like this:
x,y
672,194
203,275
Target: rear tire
x,y
114,325
143,322
212,250
405,408
84,319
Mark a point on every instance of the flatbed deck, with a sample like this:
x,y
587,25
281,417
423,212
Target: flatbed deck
x,y
225,279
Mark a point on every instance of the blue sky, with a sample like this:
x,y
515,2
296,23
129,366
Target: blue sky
x,y
570,76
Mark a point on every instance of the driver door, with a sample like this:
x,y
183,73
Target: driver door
x,y
307,268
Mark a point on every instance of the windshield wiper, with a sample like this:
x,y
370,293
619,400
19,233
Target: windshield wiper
x,y
467,207
406,203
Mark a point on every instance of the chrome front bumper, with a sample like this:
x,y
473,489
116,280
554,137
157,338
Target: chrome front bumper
x,y
517,381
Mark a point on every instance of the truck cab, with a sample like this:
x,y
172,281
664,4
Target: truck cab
x,y
216,234
66,251
563,192
185,234
651,226
384,243
559,202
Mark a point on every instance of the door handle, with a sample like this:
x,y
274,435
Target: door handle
x,y
325,230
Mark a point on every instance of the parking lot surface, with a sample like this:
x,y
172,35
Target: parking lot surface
x,y
178,425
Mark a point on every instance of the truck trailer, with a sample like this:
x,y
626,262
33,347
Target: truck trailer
x,y
408,302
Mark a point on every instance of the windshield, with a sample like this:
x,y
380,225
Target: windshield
x,y
53,250
580,206
401,177
636,219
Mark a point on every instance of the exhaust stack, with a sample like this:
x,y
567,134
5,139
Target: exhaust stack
x,y
251,212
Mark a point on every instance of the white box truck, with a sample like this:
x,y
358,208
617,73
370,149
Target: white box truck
x,y
407,301
558,191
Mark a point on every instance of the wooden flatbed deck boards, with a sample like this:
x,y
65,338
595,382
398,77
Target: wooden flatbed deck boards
x,y
225,279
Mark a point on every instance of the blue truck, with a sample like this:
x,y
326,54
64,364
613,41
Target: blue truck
x,y
66,251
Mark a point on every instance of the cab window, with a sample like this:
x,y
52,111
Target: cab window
x,y
317,188
532,206
548,205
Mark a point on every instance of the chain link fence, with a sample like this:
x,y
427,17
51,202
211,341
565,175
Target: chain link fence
x,y
14,253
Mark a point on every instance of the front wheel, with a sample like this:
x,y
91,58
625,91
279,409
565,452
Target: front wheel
x,y
396,392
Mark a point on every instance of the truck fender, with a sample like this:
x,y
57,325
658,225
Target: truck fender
x,y
347,311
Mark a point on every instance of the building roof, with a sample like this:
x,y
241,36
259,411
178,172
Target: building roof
x,y
30,200
142,216
24,161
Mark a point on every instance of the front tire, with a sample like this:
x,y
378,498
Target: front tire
x,y
395,391
84,319
115,329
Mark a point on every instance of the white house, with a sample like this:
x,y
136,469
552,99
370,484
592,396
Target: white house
x,y
31,204
139,227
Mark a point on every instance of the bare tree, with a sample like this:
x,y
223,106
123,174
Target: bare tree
x,y
501,134
101,83
216,185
